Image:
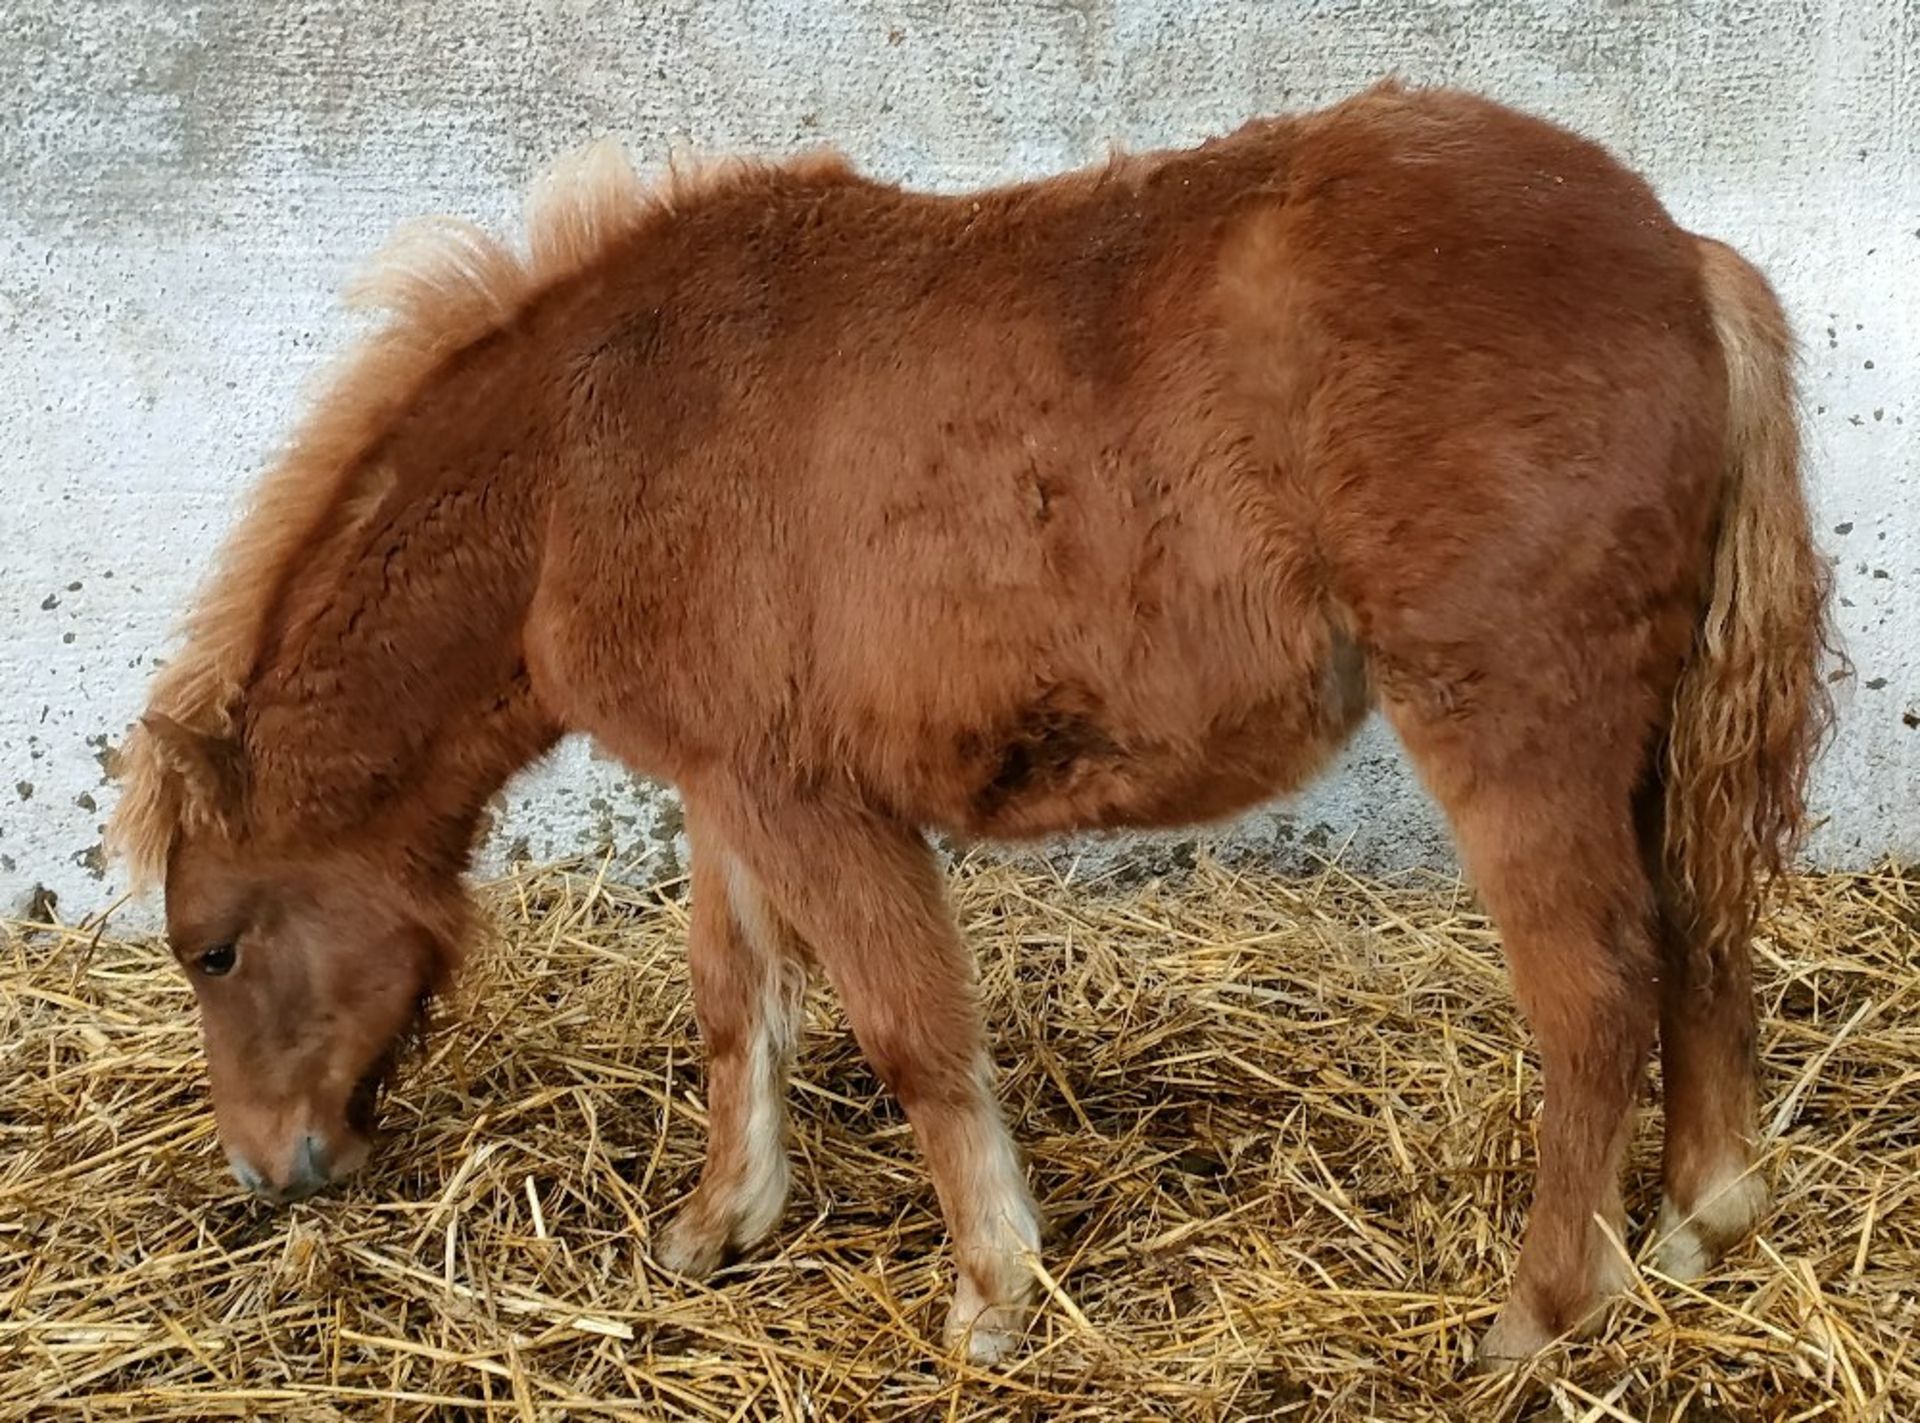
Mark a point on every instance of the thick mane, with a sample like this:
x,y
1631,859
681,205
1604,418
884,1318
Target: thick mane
x,y
443,284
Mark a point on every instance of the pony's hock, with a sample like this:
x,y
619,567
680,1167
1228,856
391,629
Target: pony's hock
x,y
1113,500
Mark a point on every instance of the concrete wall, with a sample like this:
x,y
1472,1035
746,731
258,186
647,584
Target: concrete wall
x,y
185,186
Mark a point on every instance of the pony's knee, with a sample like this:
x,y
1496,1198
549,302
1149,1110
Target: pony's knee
x,y
924,1049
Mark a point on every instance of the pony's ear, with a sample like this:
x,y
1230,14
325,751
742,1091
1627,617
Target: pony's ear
x,y
208,764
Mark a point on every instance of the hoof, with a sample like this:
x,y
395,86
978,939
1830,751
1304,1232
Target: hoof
x,y
1519,1333
1516,1336
693,1244
987,1335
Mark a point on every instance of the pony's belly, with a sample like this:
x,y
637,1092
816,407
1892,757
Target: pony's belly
x,y
1071,761
1040,790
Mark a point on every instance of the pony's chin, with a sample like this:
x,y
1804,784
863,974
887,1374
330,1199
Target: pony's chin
x,y
351,1156
363,1103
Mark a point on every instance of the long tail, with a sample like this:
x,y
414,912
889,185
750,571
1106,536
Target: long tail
x,y
1752,707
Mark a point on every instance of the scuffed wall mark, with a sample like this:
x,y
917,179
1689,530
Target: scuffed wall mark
x,y
39,905
601,825
671,822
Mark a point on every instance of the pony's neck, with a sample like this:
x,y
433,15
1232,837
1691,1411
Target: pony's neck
x,y
391,696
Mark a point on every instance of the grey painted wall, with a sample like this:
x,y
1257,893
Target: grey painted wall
x,y
184,187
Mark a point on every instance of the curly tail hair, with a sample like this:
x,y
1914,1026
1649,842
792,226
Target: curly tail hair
x,y
1752,707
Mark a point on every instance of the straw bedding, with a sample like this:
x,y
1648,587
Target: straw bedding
x,y
1282,1127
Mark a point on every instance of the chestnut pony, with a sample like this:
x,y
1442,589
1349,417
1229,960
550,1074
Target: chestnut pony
x,y
1113,500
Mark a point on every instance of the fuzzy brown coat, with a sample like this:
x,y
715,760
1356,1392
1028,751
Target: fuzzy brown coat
x,y
1111,500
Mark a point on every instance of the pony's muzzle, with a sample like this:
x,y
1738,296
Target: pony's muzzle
x,y
307,1171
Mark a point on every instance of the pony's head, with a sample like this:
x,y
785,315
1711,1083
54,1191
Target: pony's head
x,y
313,966
315,918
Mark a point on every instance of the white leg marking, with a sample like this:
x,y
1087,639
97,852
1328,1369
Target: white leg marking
x,y
739,1204
1690,1242
1611,1270
762,1189
996,1284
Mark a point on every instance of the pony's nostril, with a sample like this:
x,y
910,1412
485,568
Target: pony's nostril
x,y
309,1169
249,1178
313,1156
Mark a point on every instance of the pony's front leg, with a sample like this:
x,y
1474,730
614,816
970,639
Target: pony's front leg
x,y
749,979
869,899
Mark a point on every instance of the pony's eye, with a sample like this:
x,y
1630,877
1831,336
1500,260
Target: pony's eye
x,y
218,960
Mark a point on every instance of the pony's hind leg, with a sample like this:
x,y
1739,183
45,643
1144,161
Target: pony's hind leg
x,y
1714,1193
869,899
1550,842
749,974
